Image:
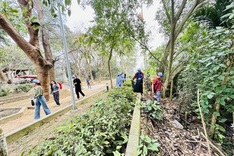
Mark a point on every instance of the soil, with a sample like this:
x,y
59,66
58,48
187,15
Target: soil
x,y
174,141
35,137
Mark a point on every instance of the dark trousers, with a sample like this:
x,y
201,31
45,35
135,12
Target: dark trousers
x,y
78,90
56,97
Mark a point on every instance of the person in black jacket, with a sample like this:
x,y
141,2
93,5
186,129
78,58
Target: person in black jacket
x,y
138,85
55,91
77,84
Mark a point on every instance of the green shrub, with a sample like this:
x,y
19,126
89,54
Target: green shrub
x,y
153,109
24,87
4,91
148,146
101,130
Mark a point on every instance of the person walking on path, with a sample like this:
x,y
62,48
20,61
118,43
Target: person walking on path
x,y
139,76
157,85
77,84
88,82
55,92
40,99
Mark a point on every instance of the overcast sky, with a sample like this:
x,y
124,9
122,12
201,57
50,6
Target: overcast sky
x,y
80,21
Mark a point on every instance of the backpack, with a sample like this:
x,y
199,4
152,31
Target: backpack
x,y
60,85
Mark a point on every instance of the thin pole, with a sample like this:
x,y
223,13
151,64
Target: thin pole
x,y
203,122
67,61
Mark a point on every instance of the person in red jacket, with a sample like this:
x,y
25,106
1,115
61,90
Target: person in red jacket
x,y
157,85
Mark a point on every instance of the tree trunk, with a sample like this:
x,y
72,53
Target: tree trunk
x,y
172,44
109,67
90,68
48,53
31,48
175,31
101,69
3,76
43,76
65,79
45,38
171,89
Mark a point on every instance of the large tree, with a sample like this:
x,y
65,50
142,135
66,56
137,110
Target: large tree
x,y
45,37
114,19
31,47
177,13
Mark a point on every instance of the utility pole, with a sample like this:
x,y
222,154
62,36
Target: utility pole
x,y
67,61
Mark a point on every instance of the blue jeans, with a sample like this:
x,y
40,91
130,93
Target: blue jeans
x,y
158,96
41,101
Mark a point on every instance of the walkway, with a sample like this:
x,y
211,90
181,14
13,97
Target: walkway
x,y
27,118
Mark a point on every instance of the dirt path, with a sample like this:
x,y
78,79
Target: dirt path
x,y
27,118
46,131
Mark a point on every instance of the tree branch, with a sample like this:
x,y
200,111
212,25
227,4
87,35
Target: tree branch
x,y
197,4
10,30
177,16
166,10
33,33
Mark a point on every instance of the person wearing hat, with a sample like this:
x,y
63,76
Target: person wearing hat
x,y
40,99
157,85
139,76
77,84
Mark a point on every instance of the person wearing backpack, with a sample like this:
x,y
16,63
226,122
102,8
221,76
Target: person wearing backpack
x,y
157,85
55,92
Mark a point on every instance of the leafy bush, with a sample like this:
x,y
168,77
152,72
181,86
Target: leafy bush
x,y
24,87
102,130
148,146
4,91
153,109
187,87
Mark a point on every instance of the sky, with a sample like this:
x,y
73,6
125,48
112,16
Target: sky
x,y
80,21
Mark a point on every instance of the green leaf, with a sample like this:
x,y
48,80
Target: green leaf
x,y
210,95
67,2
154,147
116,153
222,120
221,101
147,139
231,96
216,114
69,12
221,77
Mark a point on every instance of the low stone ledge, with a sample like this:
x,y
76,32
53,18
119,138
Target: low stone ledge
x,y
13,136
13,116
135,131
